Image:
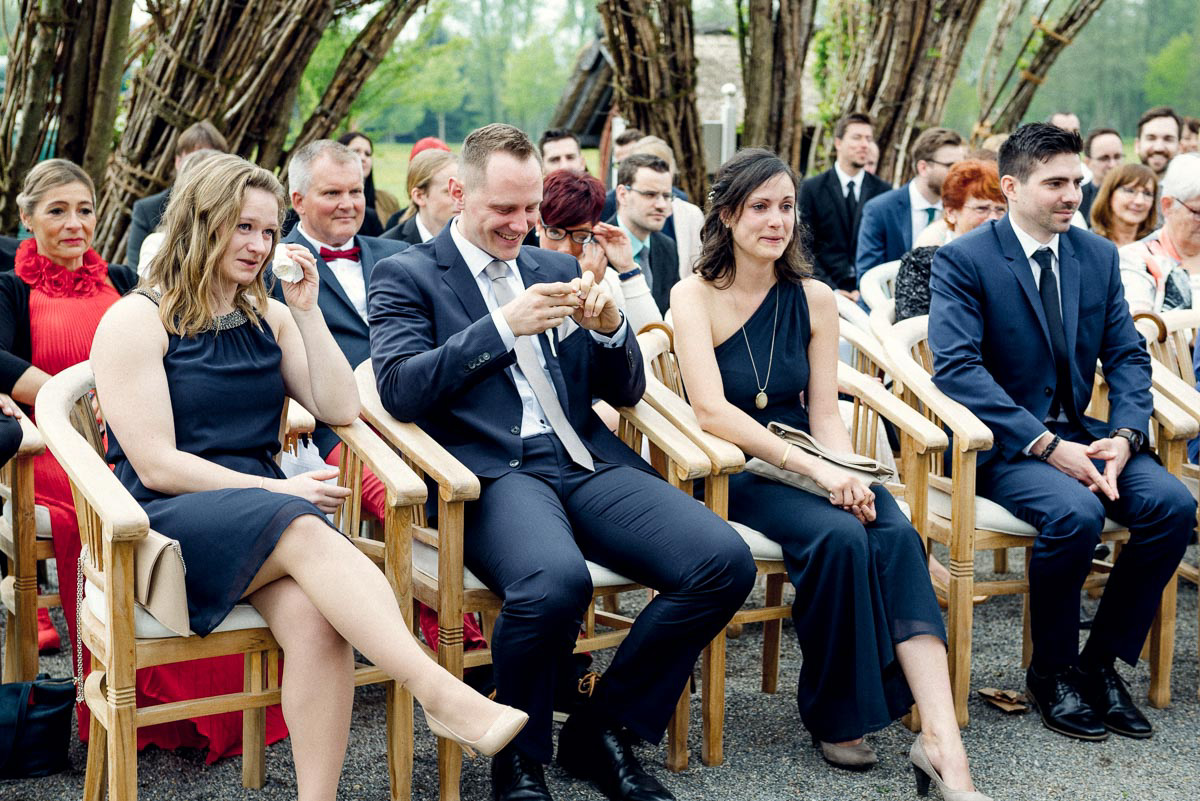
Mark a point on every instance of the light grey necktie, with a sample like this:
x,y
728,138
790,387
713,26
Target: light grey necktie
x,y
643,260
531,368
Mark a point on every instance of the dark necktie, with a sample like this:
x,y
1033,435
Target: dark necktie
x,y
535,376
348,253
1064,398
643,260
851,202
931,213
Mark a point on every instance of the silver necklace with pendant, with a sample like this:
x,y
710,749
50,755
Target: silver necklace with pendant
x,y
760,400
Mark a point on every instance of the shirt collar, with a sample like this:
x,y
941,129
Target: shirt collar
x,y
633,240
318,244
844,178
476,258
1029,244
422,231
918,200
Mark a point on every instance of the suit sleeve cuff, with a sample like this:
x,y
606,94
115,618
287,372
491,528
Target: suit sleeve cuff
x,y
506,333
1028,449
617,338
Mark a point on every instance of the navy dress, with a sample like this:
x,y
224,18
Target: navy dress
x,y
226,399
10,437
859,589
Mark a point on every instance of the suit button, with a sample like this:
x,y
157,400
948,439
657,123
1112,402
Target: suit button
x,y
515,430
1049,392
515,463
486,356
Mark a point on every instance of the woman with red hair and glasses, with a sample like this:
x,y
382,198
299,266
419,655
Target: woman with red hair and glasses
x,y
970,197
570,223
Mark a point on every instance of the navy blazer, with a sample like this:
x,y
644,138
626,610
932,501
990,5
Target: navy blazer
x,y
348,328
828,232
885,233
440,362
991,347
147,214
405,232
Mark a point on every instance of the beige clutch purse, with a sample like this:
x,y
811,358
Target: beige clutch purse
x,y
866,469
158,581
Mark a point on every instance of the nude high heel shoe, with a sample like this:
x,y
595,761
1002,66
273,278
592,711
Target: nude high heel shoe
x,y
924,772
504,728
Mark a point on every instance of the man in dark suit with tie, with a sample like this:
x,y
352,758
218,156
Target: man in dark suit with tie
x,y
148,212
831,204
326,187
1022,308
891,222
643,208
497,351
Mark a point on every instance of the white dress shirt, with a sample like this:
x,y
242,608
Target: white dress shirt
x,y
533,418
422,230
348,272
1029,245
845,179
920,217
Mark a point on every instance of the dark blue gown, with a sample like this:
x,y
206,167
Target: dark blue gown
x,y
859,589
226,399
10,437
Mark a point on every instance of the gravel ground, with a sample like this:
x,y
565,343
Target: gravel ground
x,y
767,752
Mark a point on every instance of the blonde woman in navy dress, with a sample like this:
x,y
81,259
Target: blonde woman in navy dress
x,y
192,371
757,342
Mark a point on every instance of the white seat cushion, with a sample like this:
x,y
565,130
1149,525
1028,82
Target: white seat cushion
x,y
425,561
991,516
770,551
41,516
146,627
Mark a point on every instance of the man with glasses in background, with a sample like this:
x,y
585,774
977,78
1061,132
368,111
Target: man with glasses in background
x,y
1102,150
643,206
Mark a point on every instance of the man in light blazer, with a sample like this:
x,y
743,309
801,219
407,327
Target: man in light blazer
x,y
497,351
892,221
326,187
1022,310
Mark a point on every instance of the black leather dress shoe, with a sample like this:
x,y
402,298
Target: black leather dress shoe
x,y
1063,705
1108,694
603,754
517,777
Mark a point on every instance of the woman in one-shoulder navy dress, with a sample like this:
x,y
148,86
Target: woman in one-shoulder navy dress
x,y
757,343
191,372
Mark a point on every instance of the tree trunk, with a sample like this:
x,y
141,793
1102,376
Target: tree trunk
x,y
1005,17
897,62
1054,37
654,78
99,143
776,45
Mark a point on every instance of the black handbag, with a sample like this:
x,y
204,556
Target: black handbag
x,y
35,726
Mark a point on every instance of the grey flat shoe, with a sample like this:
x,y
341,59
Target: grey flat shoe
x,y
925,773
848,757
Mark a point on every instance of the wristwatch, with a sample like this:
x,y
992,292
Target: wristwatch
x,y
1136,438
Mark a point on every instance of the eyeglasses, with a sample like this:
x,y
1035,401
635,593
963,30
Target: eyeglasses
x,y
1138,191
946,164
666,196
988,208
1195,212
578,235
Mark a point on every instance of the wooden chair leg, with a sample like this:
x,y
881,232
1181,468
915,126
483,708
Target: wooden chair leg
x,y
254,724
399,742
122,744
21,651
772,630
450,656
712,749
1162,646
1000,560
97,757
677,732
960,612
1026,629
608,603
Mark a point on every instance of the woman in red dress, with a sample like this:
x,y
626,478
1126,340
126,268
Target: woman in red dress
x,y
50,306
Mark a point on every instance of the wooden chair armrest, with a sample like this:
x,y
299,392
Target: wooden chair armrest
x,y
123,518
1151,325
925,435
724,456
970,434
31,438
404,487
689,461
1174,422
455,482
1178,391
299,419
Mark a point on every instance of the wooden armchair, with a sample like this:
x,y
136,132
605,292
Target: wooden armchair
x,y
123,637
966,523
441,582
879,284
871,404
25,542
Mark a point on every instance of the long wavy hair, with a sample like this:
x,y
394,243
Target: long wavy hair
x,y
1138,176
736,180
198,226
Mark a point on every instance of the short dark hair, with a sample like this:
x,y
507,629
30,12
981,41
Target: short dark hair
x,y
736,179
853,118
1095,134
1155,113
201,135
571,198
554,134
931,141
628,137
627,170
1192,124
1032,144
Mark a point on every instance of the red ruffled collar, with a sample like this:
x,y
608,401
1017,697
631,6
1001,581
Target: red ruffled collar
x,y
55,280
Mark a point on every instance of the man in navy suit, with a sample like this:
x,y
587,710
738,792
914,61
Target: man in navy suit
x,y
643,208
1022,308
326,186
498,351
891,222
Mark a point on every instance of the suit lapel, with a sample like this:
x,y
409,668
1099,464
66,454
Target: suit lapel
x,y
329,281
904,224
1019,264
366,260
1069,276
838,201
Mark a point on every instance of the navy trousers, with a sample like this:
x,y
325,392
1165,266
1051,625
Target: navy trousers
x,y
527,538
10,437
1160,514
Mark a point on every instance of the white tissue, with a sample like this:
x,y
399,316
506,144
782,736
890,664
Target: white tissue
x,y
283,268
